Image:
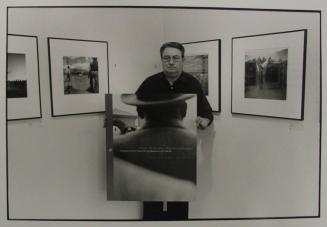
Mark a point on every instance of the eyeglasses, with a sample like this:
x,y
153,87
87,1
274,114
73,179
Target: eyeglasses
x,y
175,58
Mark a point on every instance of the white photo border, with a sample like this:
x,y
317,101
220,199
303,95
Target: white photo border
x,y
252,220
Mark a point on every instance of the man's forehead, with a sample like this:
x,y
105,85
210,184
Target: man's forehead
x,y
172,51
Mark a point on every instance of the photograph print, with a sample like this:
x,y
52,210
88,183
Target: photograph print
x,y
23,82
16,75
202,61
266,74
197,66
80,75
151,147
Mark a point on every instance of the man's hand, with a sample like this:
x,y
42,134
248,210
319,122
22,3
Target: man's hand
x,y
202,122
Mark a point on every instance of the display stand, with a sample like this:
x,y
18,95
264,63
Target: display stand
x,y
155,211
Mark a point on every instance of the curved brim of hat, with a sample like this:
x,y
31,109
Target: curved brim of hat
x,y
161,99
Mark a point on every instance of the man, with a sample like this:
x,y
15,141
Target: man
x,y
158,161
262,64
68,81
174,80
93,76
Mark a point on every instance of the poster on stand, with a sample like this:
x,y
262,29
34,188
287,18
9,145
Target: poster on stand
x,y
151,147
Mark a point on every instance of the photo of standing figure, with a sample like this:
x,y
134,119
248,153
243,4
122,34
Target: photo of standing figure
x,y
93,76
266,74
80,75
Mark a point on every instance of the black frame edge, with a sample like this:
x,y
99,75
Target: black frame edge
x,y
6,109
320,118
173,7
209,8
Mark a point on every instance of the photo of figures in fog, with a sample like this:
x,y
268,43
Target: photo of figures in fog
x,y
266,73
197,66
80,75
17,79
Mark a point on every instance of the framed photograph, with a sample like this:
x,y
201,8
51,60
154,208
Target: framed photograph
x,y
202,60
268,74
23,82
79,76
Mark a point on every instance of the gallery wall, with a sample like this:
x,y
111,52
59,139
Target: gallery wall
x,y
58,165
260,166
247,166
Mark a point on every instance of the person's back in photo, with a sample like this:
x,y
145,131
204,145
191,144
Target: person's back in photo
x,y
158,161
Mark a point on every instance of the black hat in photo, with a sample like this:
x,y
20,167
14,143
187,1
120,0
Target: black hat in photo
x,y
153,100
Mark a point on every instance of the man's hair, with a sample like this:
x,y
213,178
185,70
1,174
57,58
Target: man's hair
x,y
173,45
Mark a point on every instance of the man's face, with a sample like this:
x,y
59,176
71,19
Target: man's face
x,y
172,62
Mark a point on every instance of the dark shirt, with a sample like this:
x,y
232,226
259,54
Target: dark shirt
x,y
185,84
158,84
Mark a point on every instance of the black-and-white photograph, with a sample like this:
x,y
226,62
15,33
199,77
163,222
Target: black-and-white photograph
x,y
202,61
154,148
80,75
197,66
17,79
23,82
266,73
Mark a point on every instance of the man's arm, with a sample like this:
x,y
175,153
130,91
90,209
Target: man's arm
x,y
204,109
141,90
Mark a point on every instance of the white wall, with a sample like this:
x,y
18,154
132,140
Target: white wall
x,y
58,166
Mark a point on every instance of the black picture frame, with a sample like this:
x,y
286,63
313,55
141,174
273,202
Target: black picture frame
x,y
69,49
24,105
211,48
262,73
